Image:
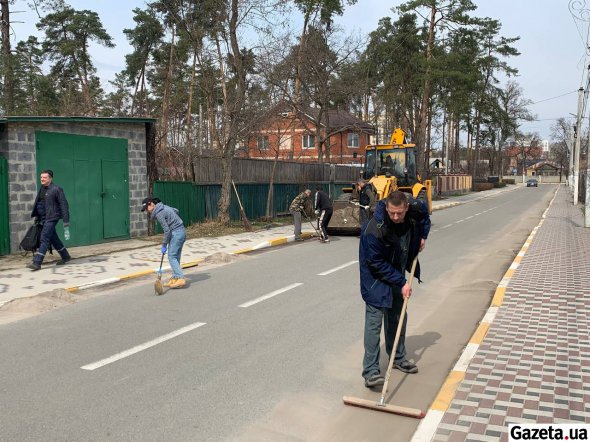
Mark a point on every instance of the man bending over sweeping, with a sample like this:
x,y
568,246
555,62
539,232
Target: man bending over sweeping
x,y
389,243
174,236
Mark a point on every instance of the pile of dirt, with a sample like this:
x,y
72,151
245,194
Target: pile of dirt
x,y
222,258
26,307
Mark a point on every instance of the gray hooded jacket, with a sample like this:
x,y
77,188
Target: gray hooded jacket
x,y
169,220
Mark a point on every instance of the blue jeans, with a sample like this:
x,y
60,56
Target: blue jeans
x,y
374,316
175,251
49,237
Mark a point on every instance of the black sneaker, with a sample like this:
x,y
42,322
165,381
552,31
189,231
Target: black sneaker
x,y
63,261
375,380
33,266
406,366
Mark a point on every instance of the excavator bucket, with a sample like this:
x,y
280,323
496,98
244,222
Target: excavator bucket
x,y
345,217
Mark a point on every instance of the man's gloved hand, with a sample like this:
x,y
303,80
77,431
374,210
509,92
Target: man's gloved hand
x,y
317,212
164,248
67,233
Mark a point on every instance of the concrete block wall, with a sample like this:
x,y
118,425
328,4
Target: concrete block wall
x,y
22,168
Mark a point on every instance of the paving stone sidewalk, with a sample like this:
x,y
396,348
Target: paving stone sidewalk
x,y
534,363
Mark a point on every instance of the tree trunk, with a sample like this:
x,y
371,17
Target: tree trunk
x,y
7,67
457,161
232,111
166,97
188,146
428,147
225,197
421,141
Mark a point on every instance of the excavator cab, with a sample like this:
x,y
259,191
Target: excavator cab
x,y
388,167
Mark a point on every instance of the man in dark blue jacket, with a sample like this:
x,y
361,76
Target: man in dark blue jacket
x,y
50,206
389,243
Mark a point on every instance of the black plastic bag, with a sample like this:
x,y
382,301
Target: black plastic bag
x,y
32,239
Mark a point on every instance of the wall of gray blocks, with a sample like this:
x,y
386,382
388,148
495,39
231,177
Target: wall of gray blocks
x,y
17,144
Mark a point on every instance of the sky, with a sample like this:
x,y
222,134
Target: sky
x,y
552,66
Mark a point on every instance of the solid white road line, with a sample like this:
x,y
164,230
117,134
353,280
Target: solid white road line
x,y
141,347
335,269
270,295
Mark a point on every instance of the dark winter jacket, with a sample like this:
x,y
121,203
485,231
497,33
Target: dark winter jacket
x,y
381,274
368,197
322,201
169,220
56,205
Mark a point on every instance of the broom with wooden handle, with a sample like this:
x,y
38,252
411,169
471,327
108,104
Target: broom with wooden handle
x,y
381,405
247,226
158,284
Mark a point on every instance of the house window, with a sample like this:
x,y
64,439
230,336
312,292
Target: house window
x,y
262,143
308,142
285,143
353,140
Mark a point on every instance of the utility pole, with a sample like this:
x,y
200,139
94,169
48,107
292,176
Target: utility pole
x,y
587,196
570,147
576,166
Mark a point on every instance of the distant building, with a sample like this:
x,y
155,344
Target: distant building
x,y
543,168
348,137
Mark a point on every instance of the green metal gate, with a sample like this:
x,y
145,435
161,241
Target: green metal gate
x,y
4,224
94,173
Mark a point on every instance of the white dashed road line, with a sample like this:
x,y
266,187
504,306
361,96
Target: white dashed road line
x,y
270,295
335,269
141,347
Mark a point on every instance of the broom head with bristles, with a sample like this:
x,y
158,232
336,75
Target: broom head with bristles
x,y
247,225
158,287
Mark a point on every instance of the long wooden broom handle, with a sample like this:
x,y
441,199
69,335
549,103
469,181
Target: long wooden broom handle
x,y
238,196
397,334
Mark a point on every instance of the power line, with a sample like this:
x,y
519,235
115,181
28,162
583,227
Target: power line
x,y
553,98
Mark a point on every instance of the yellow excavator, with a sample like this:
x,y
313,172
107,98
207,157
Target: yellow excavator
x,y
388,167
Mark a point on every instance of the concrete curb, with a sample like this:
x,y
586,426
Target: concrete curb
x,y
262,245
428,426
185,265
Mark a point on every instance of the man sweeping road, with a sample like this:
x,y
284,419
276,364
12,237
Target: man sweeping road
x,y
389,243
174,236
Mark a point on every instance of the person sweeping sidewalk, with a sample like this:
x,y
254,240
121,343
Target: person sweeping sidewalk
x,y
389,243
174,236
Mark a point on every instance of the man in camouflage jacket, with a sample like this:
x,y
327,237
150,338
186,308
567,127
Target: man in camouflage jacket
x,y
297,206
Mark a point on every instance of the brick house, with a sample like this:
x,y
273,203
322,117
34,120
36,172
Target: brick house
x,y
345,137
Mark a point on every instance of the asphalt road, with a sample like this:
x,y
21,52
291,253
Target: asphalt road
x,y
262,349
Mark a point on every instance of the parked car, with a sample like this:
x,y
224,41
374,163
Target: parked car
x,y
532,183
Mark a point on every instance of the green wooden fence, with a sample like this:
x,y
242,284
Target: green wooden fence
x,y
198,202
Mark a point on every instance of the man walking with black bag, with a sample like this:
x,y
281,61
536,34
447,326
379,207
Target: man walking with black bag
x,y
50,206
